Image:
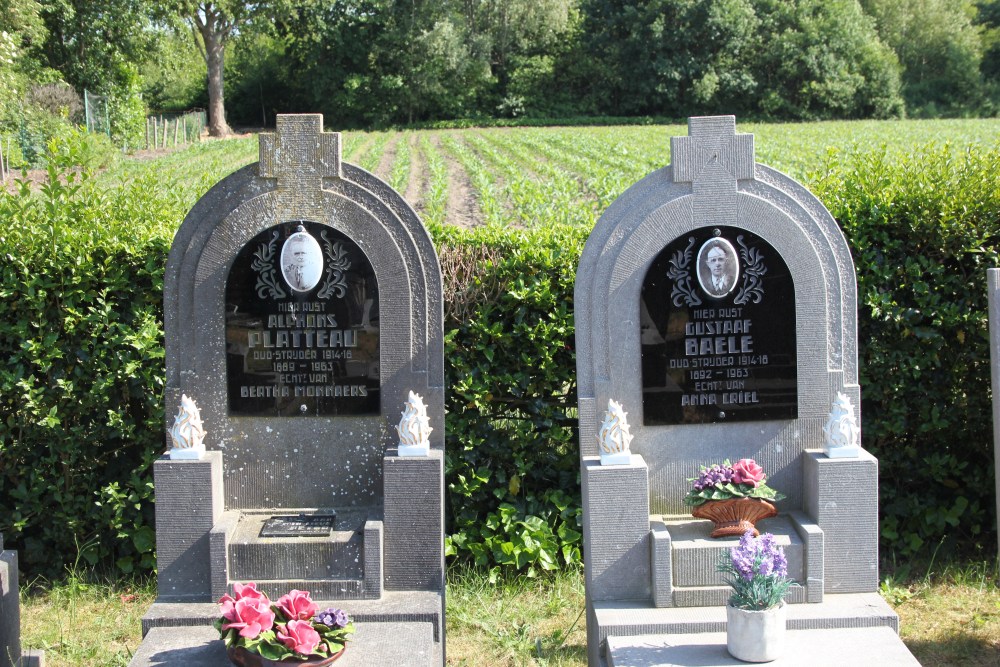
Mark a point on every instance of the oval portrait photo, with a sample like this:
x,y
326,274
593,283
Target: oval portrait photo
x,y
301,261
718,267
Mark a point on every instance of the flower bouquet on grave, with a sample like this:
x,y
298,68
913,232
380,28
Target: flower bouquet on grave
x,y
757,570
733,496
291,631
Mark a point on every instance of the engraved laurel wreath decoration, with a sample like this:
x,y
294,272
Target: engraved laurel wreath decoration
x,y
337,265
263,264
753,269
680,273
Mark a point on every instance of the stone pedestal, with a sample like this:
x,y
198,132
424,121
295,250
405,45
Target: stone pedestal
x,y
189,502
616,537
841,495
414,521
10,610
616,529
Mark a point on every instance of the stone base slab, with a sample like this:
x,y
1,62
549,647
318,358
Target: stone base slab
x,y
816,648
849,610
393,607
396,644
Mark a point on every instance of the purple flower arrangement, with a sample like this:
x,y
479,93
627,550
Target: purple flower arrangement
x,y
293,627
758,572
743,479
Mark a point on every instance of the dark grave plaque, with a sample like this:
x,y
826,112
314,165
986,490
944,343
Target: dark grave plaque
x,y
717,314
301,525
302,325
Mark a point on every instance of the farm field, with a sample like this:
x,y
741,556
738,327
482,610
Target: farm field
x,y
540,176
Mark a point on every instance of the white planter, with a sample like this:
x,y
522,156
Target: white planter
x,y
755,636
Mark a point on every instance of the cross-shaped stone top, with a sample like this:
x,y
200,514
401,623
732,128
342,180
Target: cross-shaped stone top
x,y
300,154
712,156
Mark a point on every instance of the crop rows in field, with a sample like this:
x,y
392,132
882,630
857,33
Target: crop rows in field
x,y
532,177
543,176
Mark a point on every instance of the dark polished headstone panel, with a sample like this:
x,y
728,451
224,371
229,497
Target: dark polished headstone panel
x,y
717,325
302,334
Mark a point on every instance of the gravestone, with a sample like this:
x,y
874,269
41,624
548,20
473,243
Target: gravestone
x,y
993,298
11,654
716,302
303,302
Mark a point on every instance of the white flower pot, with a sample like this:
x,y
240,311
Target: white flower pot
x,y
755,636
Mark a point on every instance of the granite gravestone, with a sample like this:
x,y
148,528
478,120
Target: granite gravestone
x,y
993,296
11,654
303,302
716,302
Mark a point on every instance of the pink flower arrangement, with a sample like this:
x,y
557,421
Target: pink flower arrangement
x,y
292,627
743,479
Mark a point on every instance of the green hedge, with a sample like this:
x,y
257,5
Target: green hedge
x,y
81,388
81,414
924,228
512,455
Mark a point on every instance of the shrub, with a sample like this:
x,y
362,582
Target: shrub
x,y
59,99
923,229
81,415
512,457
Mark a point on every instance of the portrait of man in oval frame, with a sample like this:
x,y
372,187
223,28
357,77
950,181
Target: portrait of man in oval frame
x,y
301,261
718,267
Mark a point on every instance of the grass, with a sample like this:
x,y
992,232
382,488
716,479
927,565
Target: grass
x,y
84,621
949,616
517,621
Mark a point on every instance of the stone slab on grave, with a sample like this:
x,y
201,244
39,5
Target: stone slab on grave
x,y
716,303
398,644
303,315
824,648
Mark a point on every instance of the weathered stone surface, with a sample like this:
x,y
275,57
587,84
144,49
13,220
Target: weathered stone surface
x,y
302,304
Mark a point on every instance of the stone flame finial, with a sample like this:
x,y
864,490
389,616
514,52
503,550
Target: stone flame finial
x,y
187,436
614,437
414,428
843,435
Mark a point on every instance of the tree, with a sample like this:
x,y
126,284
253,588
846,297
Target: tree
x,y
213,24
95,45
989,19
938,48
503,34
822,59
21,31
791,59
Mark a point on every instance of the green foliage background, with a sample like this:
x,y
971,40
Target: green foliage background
x,y
81,411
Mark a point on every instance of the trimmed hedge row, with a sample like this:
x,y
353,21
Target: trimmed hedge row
x,y
81,329
924,228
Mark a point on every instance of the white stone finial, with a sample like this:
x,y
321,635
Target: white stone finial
x,y
414,428
187,436
843,435
614,437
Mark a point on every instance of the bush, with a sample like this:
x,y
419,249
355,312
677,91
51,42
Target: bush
x,y
512,468
81,414
59,99
923,231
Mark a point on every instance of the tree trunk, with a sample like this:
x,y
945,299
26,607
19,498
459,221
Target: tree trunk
x,y
214,30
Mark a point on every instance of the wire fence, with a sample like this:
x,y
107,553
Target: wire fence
x,y
4,158
95,111
171,130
